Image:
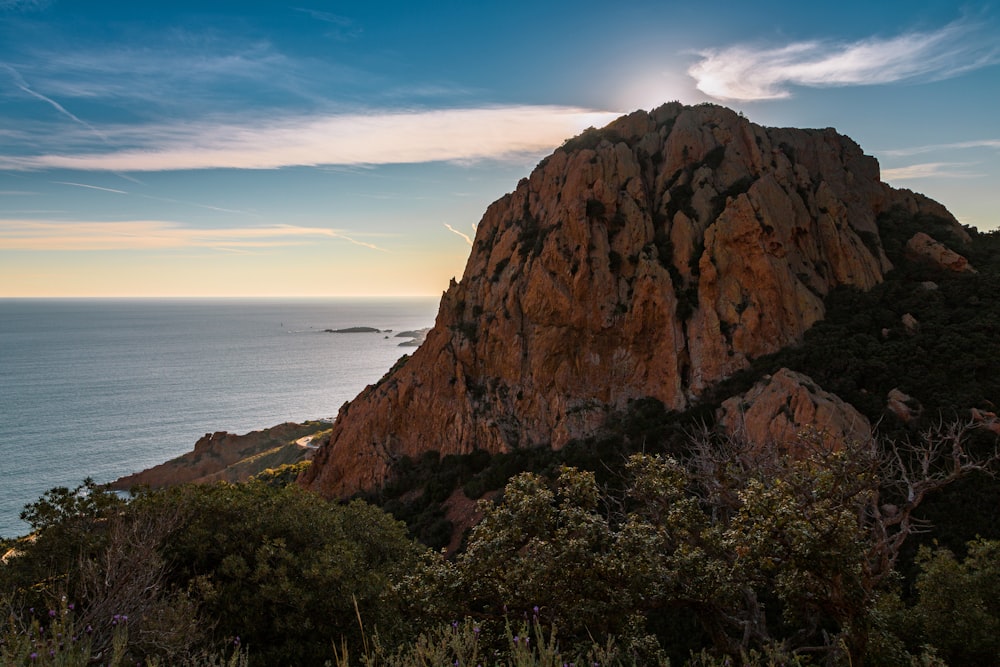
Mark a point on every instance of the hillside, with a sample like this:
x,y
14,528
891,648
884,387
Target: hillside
x,y
647,261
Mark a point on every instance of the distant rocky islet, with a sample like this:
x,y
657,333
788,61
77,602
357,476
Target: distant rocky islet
x,y
415,337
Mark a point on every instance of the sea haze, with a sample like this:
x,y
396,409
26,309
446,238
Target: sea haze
x,y
105,387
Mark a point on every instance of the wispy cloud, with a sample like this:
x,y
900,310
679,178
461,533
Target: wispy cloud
x,y
154,235
24,5
755,73
342,27
465,236
176,72
933,148
929,170
168,200
347,139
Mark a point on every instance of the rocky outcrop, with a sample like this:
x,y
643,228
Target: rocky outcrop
x,y
906,408
787,408
986,420
651,258
223,456
925,249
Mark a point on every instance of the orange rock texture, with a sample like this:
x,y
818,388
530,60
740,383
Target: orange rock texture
x,y
785,408
653,257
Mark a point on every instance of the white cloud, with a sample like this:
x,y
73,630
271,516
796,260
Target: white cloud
x,y
750,73
928,170
347,139
933,148
153,235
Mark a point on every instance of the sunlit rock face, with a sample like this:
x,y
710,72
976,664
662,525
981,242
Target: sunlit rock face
x,y
653,257
789,412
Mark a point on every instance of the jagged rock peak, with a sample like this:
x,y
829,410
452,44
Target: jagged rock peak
x,y
653,257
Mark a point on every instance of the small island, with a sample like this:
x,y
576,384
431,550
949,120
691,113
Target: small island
x,y
353,330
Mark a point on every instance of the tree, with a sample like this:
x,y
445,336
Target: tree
x,y
958,605
763,548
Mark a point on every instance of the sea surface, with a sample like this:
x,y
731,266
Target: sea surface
x,y
102,388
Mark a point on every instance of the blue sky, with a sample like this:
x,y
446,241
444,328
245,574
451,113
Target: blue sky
x,y
349,148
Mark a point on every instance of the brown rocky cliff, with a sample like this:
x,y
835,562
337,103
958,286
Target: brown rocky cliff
x,y
653,257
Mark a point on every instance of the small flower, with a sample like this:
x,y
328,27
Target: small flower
x,y
535,609
236,640
475,630
52,613
516,639
71,606
33,656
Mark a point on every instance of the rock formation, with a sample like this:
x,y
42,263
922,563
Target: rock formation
x,y
653,257
926,249
782,407
906,408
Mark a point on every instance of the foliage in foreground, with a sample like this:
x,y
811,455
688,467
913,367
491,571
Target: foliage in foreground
x,y
729,553
196,568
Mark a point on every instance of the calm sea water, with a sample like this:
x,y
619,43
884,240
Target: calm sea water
x,y
103,388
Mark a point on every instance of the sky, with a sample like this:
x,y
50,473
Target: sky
x,y
307,148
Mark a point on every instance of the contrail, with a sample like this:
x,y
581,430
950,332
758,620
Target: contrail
x,y
23,85
90,187
455,231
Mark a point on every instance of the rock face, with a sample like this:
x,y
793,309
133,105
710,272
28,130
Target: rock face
x,y
653,257
782,406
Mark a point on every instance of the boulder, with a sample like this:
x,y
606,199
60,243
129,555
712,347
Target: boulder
x,y
786,409
921,247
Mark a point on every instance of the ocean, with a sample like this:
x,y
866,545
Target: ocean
x,y
101,388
